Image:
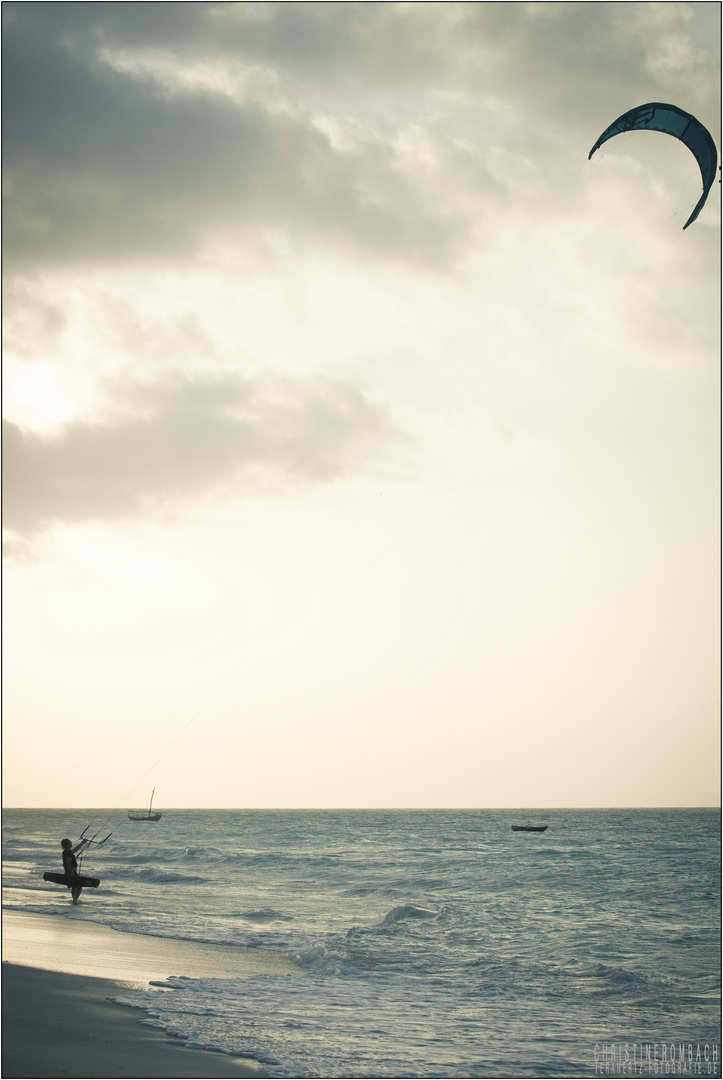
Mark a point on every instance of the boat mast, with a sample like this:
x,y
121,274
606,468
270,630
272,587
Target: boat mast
x,y
150,804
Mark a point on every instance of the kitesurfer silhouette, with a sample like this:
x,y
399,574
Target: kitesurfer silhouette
x,y
70,868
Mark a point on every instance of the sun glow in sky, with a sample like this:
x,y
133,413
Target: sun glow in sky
x,y
361,436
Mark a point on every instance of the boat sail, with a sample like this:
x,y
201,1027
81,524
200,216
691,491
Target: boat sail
x,y
145,815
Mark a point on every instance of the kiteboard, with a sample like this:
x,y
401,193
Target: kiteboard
x,y
66,879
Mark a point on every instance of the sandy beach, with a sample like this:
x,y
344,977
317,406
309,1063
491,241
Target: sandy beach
x,y
58,975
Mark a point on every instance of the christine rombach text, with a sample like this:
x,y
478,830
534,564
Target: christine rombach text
x,y
657,1059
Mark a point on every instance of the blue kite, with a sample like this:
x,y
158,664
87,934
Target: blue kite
x,y
673,121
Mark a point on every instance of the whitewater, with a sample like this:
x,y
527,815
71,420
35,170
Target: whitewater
x,y
433,943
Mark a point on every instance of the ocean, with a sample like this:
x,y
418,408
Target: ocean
x,y
434,943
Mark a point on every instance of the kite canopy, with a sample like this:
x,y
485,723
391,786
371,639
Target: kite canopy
x,y
673,121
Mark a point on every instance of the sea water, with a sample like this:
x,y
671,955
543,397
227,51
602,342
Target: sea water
x,y
433,943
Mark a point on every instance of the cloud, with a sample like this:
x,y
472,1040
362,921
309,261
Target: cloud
x,y
180,438
105,165
140,132
396,43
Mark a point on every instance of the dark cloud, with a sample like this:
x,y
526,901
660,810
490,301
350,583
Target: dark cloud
x,y
102,166
105,163
180,438
508,44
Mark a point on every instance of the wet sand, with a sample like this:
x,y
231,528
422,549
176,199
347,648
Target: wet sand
x,y
57,977
77,947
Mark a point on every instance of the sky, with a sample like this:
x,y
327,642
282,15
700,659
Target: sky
x,y
361,437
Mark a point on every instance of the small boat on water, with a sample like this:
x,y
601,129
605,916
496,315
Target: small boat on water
x,y
145,815
529,828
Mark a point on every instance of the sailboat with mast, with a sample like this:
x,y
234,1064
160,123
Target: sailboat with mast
x,y
145,815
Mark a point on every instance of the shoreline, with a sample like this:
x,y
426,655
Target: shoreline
x,y
59,975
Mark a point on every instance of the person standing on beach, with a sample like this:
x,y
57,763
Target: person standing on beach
x,y
70,868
